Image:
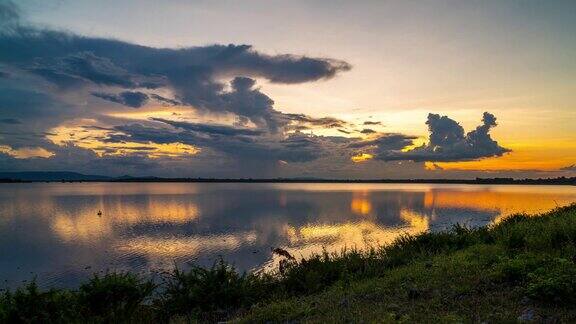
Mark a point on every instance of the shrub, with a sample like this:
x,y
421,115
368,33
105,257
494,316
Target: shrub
x,y
114,296
517,269
30,305
312,274
551,232
554,283
216,290
407,248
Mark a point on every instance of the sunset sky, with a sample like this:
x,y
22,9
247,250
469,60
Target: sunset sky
x,y
332,89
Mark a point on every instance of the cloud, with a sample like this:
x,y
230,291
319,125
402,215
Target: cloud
x,y
10,121
383,146
56,76
248,102
448,143
367,131
372,123
71,157
324,122
9,13
79,68
58,81
569,168
434,167
134,99
164,100
211,129
196,76
29,114
247,147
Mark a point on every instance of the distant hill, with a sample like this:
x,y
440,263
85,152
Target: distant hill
x,y
51,176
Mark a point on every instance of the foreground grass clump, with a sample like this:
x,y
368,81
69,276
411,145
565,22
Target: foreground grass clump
x,y
211,294
520,269
112,297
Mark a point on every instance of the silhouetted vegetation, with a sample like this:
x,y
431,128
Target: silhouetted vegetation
x,y
9,177
522,266
502,181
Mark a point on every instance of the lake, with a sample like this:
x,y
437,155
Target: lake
x,y
52,231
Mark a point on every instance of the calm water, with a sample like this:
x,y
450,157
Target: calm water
x,y
53,232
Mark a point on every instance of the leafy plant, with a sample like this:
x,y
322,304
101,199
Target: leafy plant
x,y
554,283
30,305
114,296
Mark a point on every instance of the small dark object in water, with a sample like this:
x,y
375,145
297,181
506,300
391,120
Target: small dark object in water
x,y
99,213
282,252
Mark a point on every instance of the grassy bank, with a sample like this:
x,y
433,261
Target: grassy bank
x,y
521,268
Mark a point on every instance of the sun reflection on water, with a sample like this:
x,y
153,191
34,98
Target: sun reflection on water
x,y
361,203
155,225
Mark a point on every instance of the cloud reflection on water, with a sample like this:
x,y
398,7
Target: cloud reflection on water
x,y
54,231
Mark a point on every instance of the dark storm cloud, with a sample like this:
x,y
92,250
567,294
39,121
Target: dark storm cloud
x,y
134,99
384,145
243,146
193,74
19,103
367,131
299,147
372,123
327,122
28,112
10,121
8,12
92,127
145,134
107,61
164,100
54,76
70,157
447,142
247,101
386,142
210,129
77,69
290,68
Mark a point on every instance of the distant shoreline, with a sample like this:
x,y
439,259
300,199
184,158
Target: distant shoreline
x,y
479,181
67,176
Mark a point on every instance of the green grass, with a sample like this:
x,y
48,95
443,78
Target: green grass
x,y
523,265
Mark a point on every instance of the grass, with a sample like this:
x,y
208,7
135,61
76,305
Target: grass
x,y
520,269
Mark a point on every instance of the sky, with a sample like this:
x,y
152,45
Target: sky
x,y
331,89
